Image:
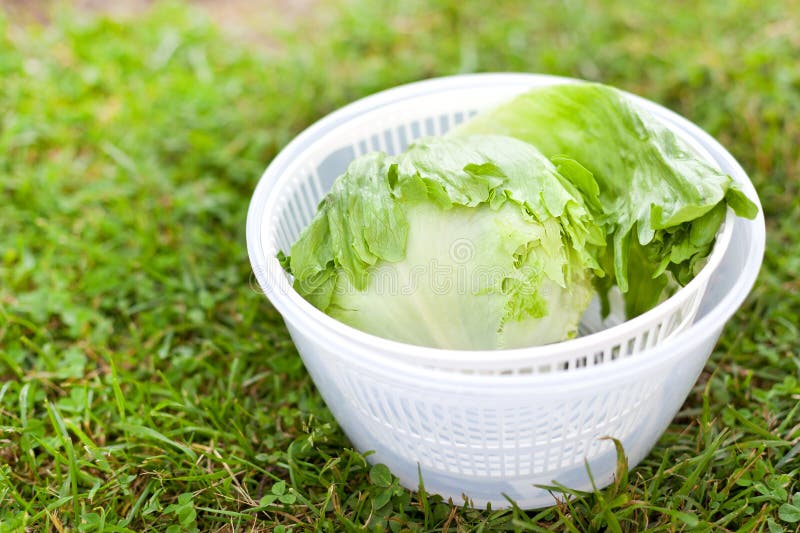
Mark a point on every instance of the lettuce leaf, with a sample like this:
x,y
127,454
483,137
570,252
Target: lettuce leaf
x,y
659,203
471,242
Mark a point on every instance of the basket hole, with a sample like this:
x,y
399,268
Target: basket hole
x,y
444,124
294,221
631,348
283,241
430,126
376,142
615,352
645,338
389,143
657,333
416,131
308,200
402,139
673,321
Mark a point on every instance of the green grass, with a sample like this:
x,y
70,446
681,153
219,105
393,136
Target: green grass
x,y
145,383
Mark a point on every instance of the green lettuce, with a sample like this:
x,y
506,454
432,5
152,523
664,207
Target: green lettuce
x,y
469,242
659,203
499,234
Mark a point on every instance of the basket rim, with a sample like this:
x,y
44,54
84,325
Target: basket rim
x,y
288,302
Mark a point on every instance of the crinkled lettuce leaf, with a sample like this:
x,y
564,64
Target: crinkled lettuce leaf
x,y
660,204
470,242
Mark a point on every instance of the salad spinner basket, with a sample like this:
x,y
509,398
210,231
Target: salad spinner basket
x,y
492,425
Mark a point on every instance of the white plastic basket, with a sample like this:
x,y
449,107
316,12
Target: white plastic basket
x,y
503,421
297,180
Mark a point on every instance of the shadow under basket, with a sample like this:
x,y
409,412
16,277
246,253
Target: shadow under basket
x,y
491,425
